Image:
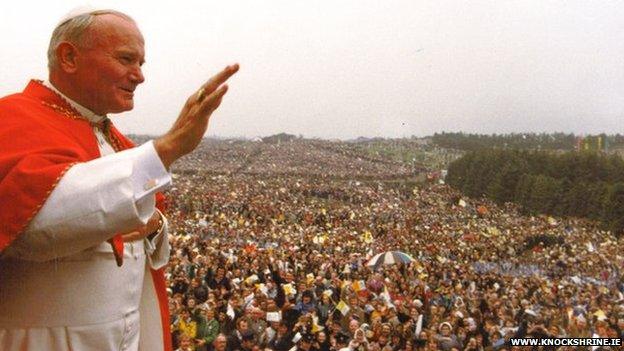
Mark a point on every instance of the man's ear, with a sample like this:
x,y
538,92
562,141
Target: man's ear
x,y
66,54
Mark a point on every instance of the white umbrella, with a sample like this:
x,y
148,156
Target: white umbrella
x,y
389,257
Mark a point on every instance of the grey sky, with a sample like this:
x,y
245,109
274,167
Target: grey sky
x,y
342,69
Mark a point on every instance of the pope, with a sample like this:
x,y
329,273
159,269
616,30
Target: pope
x,y
71,185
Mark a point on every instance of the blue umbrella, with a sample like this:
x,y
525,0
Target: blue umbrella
x,y
389,257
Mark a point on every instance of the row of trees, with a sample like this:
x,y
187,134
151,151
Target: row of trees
x,y
531,141
580,184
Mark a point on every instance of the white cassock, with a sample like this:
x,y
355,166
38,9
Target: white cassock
x,y
60,287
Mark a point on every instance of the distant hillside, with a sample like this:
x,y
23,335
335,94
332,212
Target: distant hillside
x,y
530,141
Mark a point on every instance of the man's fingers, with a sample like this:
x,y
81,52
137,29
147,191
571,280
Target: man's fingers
x,y
131,236
219,78
212,101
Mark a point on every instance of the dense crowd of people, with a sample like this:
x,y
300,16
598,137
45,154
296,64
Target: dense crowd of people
x,y
277,260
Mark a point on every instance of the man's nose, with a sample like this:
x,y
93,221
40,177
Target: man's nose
x,y
137,76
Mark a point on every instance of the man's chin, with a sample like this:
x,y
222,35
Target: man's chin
x,y
126,105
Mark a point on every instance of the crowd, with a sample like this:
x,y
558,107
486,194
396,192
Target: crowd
x,y
267,258
301,157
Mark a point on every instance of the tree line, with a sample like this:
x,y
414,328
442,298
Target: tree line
x,y
532,141
579,184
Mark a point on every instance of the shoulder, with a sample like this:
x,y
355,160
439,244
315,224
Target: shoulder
x,y
25,111
19,106
16,98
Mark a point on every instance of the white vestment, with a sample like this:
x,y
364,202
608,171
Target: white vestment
x,y
60,287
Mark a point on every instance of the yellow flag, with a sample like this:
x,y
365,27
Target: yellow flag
x,y
315,327
367,237
251,279
359,285
493,231
343,308
289,289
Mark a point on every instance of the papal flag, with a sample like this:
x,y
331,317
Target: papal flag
x,y
262,287
359,285
289,289
367,237
343,308
252,279
315,326
385,295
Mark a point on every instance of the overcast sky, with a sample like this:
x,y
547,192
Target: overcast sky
x,y
343,69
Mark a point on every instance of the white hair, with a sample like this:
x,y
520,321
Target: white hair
x,y
73,29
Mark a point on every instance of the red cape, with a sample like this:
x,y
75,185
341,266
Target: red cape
x,y
41,137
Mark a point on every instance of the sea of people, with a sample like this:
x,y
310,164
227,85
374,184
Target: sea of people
x,y
271,246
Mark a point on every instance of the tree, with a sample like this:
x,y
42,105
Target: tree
x,y
545,195
613,213
502,188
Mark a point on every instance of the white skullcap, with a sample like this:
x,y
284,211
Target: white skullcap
x,y
77,11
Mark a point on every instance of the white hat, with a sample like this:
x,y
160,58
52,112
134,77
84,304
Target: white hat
x,y
445,323
77,11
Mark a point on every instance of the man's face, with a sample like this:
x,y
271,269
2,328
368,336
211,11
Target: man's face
x,y
185,344
248,344
220,343
109,68
209,315
353,325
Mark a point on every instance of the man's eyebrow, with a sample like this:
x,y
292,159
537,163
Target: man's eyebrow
x,y
130,52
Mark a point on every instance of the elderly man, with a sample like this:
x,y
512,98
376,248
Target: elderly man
x,y
70,183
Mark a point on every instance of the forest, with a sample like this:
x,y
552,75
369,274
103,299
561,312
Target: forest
x,y
579,184
528,141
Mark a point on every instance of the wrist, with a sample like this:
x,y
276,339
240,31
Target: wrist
x,y
165,151
158,228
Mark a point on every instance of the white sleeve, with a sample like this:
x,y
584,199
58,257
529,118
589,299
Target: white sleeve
x,y
92,202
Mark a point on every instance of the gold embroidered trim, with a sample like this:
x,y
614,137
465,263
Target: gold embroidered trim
x,y
36,210
70,112
67,112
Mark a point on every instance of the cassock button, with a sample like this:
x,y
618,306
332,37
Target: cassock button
x,y
150,184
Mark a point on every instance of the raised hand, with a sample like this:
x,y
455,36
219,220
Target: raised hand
x,y
190,127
